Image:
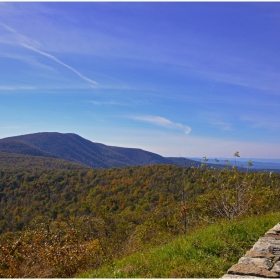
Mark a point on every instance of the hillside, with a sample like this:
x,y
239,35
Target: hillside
x,y
15,162
74,148
198,254
16,146
58,223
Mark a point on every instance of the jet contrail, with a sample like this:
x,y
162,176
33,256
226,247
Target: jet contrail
x,y
60,62
25,39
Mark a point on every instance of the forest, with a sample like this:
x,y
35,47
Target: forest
x,y
60,222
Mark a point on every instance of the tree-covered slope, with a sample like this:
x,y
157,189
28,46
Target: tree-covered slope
x,y
17,146
74,148
16,162
56,223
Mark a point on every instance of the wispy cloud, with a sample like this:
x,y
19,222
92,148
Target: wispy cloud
x,y
17,38
28,60
7,88
33,46
99,103
61,63
181,145
270,123
218,119
160,121
222,125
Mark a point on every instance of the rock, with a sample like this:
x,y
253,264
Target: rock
x,y
276,236
270,240
276,228
276,268
259,262
274,231
261,247
267,244
266,239
262,261
251,270
239,276
258,254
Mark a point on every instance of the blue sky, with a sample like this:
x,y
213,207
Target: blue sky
x,y
178,79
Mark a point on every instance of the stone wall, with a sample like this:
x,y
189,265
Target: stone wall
x,y
262,261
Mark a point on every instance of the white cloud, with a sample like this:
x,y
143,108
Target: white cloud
x,y
170,145
18,88
160,121
107,103
222,125
41,87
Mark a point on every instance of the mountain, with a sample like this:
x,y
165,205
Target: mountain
x,y
15,162
17,146
74,148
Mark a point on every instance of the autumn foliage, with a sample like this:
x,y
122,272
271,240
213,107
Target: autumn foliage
x,y
57,223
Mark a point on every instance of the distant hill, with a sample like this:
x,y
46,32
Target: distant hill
x,y
17,146
74,148
14,162
259,164
197,163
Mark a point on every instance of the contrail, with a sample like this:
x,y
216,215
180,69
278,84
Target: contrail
x,y
25,39
60,62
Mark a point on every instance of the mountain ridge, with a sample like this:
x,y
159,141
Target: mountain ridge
x,y
74,148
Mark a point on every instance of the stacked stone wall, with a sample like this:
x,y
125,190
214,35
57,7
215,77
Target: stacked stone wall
x,y
262,261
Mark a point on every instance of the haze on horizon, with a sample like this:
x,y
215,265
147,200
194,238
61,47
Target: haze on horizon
x,y
177,79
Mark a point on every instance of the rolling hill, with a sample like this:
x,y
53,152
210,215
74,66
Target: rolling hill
x,y
74,148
